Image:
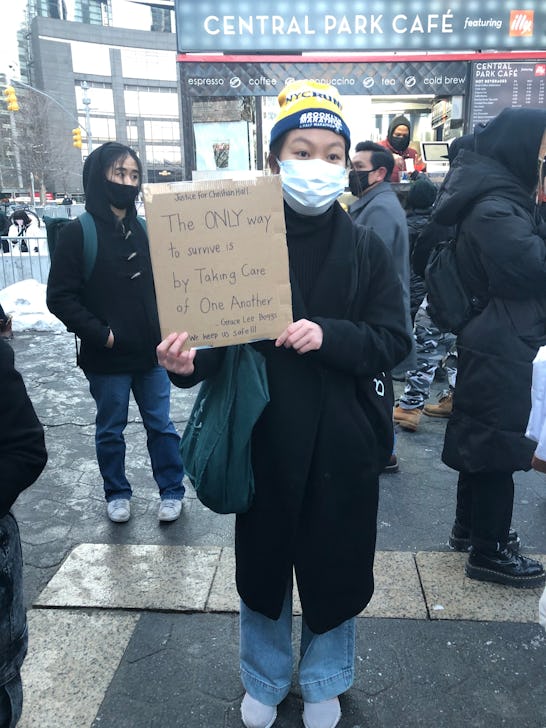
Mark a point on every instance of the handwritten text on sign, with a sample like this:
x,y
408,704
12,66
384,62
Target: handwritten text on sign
x,y
220,260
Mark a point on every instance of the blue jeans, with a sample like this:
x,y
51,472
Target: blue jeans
x,y
151,390
326,667
13,623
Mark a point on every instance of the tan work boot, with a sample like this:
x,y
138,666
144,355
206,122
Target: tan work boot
x,y
444,408
407,418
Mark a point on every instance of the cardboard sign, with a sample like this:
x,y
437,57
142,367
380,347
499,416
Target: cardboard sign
x,y
219,259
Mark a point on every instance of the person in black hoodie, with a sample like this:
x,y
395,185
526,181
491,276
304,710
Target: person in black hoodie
x,y
501,252
23,456
114,313
397,141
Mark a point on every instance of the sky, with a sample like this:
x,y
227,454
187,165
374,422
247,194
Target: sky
x,y
11,21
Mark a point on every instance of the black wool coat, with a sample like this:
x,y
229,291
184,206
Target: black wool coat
x,y
319,446
119,294
501,254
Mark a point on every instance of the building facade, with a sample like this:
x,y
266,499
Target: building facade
x,y
76,68
96,12
130,89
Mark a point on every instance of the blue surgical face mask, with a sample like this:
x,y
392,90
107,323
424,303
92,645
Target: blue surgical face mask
x,y
310,186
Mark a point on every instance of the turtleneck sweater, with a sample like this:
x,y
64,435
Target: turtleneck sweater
x,y
308,238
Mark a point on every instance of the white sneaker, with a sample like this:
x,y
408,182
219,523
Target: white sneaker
x,y
169,509
119,510
325,714
257,715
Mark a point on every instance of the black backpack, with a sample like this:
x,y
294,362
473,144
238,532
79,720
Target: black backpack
x,y
53,226
450,304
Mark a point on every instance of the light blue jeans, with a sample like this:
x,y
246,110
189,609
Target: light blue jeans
x,y
151,390
326,667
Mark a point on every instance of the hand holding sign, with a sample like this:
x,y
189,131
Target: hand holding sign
x,y
173,356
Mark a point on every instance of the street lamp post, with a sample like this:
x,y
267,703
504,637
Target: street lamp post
x,y
13,125
86,101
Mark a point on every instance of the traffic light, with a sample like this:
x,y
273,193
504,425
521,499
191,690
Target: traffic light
x,y
77,137
11,99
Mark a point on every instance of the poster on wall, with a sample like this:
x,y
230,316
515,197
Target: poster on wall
x,y
496,85
220,259
222,145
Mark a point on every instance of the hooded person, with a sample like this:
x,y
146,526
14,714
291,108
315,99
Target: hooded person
x,y
25,230
326,434
490,193
21,221
112,309
397,142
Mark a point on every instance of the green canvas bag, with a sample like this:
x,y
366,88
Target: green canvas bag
x,y
215,445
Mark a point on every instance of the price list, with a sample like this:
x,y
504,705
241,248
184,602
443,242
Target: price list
x,y
498,84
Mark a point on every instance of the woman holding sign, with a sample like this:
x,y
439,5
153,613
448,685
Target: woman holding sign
x,y
326,434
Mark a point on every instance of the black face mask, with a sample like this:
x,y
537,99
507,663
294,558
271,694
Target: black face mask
x,y
400,143
120,196
358,180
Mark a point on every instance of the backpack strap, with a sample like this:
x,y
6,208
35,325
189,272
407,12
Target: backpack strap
x,y
90,243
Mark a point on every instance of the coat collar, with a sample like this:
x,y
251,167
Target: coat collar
x,y
381,189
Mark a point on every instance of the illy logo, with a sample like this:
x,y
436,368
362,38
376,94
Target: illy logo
x,y
521,23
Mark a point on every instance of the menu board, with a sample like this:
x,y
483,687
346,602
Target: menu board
x,y
496,85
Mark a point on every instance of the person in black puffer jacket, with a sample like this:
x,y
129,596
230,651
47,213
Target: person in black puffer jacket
x,y
114,313
501,251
